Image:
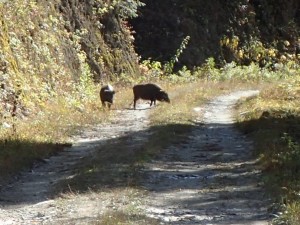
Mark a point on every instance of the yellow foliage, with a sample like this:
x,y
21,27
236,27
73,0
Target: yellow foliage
x,y
241,54
272,52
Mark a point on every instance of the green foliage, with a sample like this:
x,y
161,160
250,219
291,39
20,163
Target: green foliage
x,y
273,122
151,69
247,73
169,66
182,76
253,72
86,87
287,157
208,70
290,215
128,8
125,79
254,51
124,8
34,57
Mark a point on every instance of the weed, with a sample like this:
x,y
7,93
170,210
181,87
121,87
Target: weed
x,y
169,66
273,123
290,215
124,218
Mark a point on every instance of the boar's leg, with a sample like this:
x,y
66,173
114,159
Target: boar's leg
x,y
134,102
153,101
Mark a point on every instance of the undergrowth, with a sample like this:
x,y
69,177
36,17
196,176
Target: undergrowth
x,y
272,120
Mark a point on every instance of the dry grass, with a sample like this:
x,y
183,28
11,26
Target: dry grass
x,y
48,128
273,121
125,218
45,132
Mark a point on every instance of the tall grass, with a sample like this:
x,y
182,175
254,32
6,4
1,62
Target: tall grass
x,y
43,133
273,121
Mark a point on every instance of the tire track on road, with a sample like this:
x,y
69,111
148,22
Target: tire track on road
x,y
212,178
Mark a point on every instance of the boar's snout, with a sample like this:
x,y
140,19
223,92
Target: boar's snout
x,y
164,97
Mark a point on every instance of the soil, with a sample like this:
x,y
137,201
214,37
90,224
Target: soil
x,y
210,178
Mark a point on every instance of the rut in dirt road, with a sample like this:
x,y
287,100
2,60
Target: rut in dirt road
x,y
211,178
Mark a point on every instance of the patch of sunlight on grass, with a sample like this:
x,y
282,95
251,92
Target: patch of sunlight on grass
x,y
272,121
124,218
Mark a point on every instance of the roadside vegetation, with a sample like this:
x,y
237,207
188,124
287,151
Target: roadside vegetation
x,y
272,120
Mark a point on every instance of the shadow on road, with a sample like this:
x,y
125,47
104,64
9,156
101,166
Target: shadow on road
x,y
193,172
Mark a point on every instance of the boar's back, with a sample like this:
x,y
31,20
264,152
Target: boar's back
x,y
146,91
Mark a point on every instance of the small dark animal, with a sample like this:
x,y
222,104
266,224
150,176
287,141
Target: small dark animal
x,y
150,92
107,95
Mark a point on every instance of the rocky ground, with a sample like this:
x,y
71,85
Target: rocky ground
x,y
211,178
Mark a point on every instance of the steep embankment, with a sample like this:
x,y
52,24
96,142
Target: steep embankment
x,y
55,48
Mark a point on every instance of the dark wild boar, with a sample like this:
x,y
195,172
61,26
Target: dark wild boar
x,y
107,95
150,92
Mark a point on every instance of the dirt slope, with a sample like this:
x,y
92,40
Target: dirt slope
x,y
209,179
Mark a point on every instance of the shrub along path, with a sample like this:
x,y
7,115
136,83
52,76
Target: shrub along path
x,y
211,178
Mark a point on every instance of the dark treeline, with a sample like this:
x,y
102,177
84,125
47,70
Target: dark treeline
x,y
240,31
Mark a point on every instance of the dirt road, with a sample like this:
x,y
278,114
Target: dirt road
x,y
209,179
28,199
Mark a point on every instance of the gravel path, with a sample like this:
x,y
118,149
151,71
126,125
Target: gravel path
x,y
211,178
28,200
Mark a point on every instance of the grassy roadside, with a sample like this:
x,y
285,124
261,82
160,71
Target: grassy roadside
x,y
48,129
49,125
273,121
